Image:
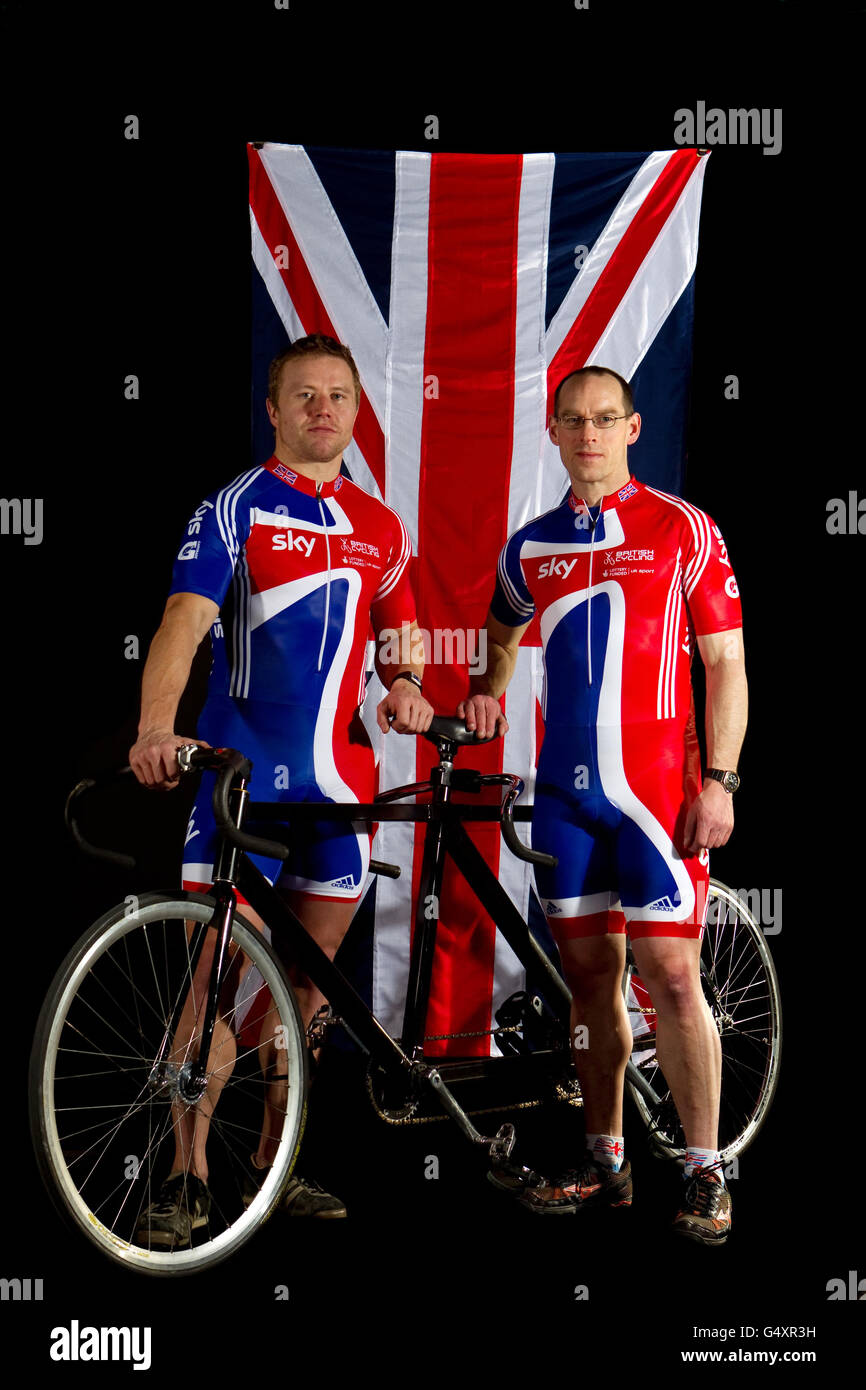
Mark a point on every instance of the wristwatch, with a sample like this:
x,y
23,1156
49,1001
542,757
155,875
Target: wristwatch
x,y
729,780
407,676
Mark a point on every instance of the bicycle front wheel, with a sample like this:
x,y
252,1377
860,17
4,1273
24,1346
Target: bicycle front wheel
x,y
106,1087
742,991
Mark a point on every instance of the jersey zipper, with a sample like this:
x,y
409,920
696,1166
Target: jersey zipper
x,y
328,585
589,598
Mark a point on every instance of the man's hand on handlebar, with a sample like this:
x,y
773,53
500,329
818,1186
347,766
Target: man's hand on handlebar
x,y
483,714
153,757
404,709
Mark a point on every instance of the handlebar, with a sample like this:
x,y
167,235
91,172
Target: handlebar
x,y
229,763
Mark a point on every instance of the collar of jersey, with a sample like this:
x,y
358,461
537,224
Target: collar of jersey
x,y
300,482
614,499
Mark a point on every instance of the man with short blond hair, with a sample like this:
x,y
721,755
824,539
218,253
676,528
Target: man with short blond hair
x,y
287,567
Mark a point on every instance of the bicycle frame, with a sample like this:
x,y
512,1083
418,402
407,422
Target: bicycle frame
x,y
446,835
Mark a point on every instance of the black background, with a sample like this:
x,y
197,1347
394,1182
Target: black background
x,y
133,257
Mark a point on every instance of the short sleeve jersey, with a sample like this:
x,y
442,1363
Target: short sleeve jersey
x,y
299,570
621,592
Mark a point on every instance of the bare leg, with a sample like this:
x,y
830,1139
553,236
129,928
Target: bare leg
x,y
688,1044
327,922
593,967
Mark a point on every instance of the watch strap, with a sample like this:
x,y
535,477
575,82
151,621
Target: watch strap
x,y
407,676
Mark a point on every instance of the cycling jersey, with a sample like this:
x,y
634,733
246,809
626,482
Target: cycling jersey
x,y
299,570
621,591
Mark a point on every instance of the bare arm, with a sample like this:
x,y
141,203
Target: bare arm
x,y
481,710
186,619
710,818
404,708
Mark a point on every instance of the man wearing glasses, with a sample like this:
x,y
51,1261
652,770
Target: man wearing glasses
x,y
624,578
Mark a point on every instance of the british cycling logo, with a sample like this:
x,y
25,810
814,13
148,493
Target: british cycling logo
x,y
359,547
76,1343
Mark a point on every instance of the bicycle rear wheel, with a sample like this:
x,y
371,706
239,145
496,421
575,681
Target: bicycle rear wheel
x,y
741,988
104,1111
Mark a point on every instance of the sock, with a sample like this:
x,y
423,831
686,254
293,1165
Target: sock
x,y
702,1158
607,1149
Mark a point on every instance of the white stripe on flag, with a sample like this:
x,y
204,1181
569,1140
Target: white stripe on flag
x,y
404,409
519,755
274,283
596,262
530,376
660,280
332,263
530,398
291,321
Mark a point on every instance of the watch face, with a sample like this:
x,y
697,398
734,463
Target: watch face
x,y
730,781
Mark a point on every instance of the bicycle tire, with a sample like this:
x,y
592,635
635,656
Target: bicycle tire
x,y
99,1031
741,987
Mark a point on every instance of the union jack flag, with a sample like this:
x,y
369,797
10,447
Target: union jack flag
x,y
466,287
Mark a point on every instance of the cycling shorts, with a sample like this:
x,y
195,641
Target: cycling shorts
x,y
327,859
619,840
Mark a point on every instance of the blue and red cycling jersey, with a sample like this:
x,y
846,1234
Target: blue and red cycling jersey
x,y
621,591
300,570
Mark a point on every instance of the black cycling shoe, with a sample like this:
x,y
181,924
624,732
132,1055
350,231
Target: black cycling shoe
x,y
302,1196
183,1205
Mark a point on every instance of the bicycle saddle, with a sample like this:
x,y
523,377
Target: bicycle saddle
x,y
449,726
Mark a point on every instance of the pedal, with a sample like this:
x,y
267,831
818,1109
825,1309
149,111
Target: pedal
x,y
323,1019
539,1028
502,1144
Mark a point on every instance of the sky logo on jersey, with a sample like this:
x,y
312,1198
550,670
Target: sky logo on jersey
x,y
625,492
281,471
556,567
287,540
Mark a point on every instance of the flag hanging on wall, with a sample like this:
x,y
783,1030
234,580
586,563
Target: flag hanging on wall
x,y
466,287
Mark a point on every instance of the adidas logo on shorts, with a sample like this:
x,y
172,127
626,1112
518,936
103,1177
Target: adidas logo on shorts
x,y
661,905
342,882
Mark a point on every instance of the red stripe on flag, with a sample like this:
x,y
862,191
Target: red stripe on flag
x,y
621,268
276,232
465,466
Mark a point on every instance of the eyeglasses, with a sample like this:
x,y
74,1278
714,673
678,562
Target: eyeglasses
x,y
601,422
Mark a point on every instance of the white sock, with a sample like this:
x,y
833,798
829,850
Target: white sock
x,y
607,1149
702,1158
